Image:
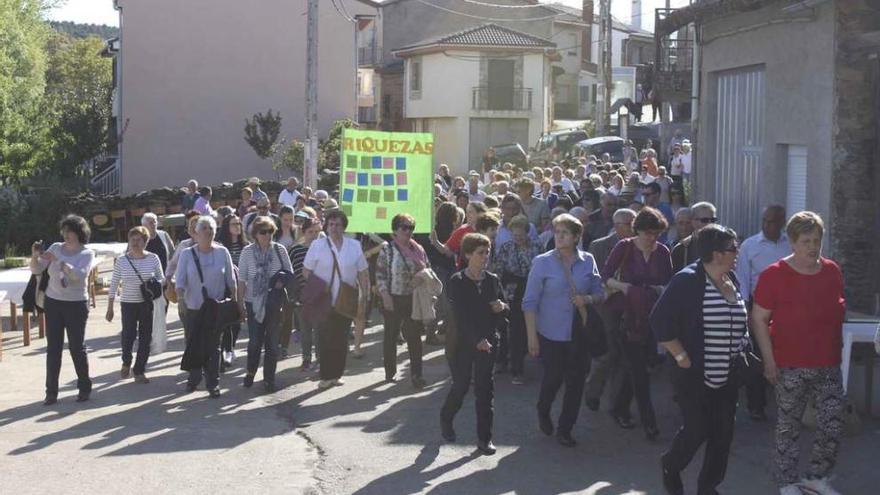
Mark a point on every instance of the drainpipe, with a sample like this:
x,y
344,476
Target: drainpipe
x,y
695,101
120,120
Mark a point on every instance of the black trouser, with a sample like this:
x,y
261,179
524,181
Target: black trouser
x,y
230,337
70,316
756,389
261,335
568,363
211,368
466,363
502,356
137,323
519,342
397,321
708,417
333,345
636,381
285,330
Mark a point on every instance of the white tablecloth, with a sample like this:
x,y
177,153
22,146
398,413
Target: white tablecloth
x,y
854,331
13,283
109,250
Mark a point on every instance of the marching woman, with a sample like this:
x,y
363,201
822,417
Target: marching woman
x,y
205,269
259,262
231,236
342,256
399,261
477,301
561,284
130,271
701,321
311,231
68,263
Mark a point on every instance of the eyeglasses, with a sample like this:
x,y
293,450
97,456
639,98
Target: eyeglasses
x,y
732,249
265,232
407,227
708,219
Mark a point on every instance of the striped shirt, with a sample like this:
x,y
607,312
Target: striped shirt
x,y
724,333
297,257
123,274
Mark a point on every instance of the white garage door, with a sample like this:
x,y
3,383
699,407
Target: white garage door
x,y
489,132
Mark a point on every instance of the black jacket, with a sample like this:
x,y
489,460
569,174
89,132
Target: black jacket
x,y
474,319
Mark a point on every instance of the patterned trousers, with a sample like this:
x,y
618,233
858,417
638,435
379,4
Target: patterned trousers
x,y
795,389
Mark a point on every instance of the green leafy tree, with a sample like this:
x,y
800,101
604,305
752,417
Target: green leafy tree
x,y
79,90
289,156
328,154
23,132
262,132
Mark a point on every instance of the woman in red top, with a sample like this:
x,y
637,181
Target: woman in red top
x,y
798,321
452,247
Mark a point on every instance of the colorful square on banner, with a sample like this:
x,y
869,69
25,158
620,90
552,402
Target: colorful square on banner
x,y
377,162
402,195
351,161
376,179
388,180
401,164
401,178
375,196
350,177
366,162
362,179
381,213
388,163
348,195
363,195
347,210
389,195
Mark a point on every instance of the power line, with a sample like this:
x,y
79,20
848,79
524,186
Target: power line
x,y
492,19
344,16
485,4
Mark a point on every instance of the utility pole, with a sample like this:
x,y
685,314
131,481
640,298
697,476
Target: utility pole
x,y
603,87
310,176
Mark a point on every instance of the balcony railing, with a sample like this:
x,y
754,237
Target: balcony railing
x,y
501,98
367,55
367,115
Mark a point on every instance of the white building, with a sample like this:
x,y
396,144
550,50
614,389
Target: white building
x,y
476,88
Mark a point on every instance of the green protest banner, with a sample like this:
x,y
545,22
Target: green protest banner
x,y
383,174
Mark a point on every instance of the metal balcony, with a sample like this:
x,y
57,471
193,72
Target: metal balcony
x,y
501,98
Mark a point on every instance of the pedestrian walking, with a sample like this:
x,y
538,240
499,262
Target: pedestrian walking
x,y
130,272
259,262
399,261
799,304
311,229
477,300
68,264
561,284
701,321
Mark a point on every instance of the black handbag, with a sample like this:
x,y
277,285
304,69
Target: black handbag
x,y
746,367
151,289
228,311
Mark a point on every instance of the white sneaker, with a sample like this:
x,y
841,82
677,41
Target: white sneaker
x,y
818,486
232,355
325,384
790,490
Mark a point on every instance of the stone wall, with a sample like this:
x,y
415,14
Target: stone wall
x,y
855,205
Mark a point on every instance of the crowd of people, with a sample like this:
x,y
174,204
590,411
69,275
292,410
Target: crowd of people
x,y
598,269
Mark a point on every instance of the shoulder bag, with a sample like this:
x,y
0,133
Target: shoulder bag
x,y
228,312
151,289
347,299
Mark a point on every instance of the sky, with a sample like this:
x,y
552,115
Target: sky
x,y
101,11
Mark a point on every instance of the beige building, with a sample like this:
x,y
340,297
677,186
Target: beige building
x,y
190,72
476,88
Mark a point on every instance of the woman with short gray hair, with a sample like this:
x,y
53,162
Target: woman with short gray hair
x,y
204,270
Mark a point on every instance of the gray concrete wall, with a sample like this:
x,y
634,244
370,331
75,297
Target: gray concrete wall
x,y
797,58
193,70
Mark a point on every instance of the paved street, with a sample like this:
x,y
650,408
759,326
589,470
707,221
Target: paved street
x,y
365,437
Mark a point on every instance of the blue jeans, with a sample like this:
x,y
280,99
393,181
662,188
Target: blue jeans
x,y
261,336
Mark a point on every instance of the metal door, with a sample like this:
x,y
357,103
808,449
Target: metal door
x,y
739,148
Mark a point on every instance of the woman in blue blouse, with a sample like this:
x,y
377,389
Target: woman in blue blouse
x,y
561,284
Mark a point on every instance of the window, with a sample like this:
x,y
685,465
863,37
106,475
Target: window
x,y
584,94
415,78
796,187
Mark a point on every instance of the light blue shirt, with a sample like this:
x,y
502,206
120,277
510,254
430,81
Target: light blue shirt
x,y
548,293
756,254
216,269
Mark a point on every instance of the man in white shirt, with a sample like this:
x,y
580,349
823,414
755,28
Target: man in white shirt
x,y
755,254
289,194
476,195
559,179
686,160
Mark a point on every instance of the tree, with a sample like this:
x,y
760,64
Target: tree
x,y
262,132
23,132
79,90
289,156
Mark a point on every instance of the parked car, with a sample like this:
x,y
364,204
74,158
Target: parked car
x,y
613,145
555,145
513,153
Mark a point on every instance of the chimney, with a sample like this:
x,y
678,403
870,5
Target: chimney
x,y
587,36
636,17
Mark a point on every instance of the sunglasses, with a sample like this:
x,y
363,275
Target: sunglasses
x,y
265,232
407,227
708,219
